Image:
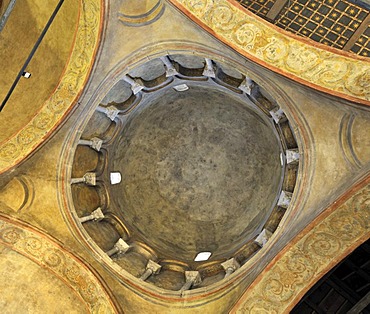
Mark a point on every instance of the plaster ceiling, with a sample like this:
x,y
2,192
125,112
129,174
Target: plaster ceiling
x,y
201,172
26,23
58,68
331,132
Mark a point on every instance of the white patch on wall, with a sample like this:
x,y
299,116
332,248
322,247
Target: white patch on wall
x,y
202,256
282,159
26,74
181,87
115,178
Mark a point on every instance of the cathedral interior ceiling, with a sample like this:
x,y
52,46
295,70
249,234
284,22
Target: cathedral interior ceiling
x,y
330,130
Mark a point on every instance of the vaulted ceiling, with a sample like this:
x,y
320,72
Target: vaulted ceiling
x,y
152,131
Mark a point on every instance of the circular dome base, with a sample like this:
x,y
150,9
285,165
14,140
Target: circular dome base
x,y
200,169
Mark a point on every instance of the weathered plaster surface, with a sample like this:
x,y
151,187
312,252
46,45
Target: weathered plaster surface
x,y
327,168
30,254
46,100
39,290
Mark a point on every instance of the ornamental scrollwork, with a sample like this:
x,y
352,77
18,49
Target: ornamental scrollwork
x,y
62,264
337,73
304,262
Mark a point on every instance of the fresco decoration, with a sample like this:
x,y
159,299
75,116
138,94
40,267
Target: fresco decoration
x,y
312,64
62,264
300,266
18,147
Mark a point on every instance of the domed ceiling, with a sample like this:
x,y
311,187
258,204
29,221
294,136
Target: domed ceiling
x,y
212,163
202,167
202,164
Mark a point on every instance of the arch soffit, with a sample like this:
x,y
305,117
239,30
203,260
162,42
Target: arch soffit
x,y
48,254
18,147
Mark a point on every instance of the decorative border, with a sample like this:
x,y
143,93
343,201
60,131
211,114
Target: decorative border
x,y
326,241
44,251
32,135
323,68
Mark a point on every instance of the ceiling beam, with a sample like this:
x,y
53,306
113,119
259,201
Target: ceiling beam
x,y
360,305
356,35
275,9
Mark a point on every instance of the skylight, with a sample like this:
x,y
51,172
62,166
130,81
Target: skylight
x,y
202,256
115,178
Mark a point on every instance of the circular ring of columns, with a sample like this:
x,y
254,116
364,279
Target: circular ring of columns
x,y
91,184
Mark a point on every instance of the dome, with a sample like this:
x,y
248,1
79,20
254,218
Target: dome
x,y
187,167
200,169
